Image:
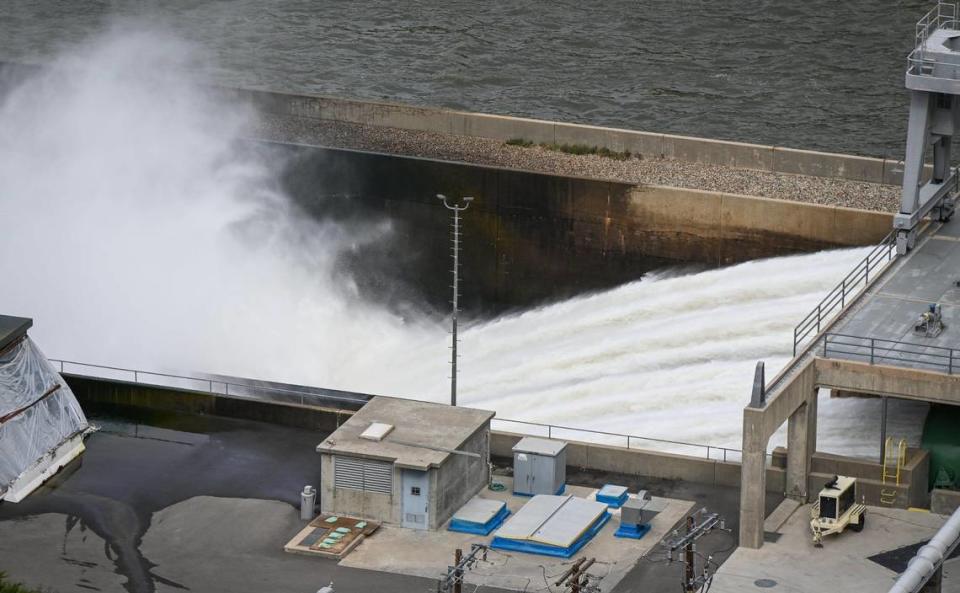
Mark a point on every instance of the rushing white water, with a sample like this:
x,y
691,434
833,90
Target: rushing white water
x,y
671,358
138,234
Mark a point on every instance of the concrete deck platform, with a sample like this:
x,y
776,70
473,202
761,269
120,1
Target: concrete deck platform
x,y
842,564
928,275
427,554
168,501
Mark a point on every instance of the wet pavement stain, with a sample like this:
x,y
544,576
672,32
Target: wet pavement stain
x,y
128,474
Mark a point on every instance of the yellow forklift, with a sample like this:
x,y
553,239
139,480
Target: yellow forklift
x,y
836,509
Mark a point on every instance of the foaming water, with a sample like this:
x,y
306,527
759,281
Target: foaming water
x,y
139,233
668,358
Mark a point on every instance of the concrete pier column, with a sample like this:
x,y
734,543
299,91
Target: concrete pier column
x,y
801,444
918,134
753,480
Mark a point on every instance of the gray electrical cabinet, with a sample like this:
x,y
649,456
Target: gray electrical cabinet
x,y
539,466
641,509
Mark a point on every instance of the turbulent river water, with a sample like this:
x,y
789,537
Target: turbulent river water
x,y
816,74
147,238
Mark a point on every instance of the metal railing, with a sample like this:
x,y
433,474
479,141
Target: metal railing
x,y
290,394
858,278
628,441
942,16
215,386
891,352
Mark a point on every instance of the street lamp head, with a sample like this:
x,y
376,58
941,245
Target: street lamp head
x,y
468,199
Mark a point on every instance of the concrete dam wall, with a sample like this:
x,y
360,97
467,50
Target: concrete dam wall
x,y
647,144
531,237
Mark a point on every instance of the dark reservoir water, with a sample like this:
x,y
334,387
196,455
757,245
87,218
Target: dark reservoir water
x,y
817,74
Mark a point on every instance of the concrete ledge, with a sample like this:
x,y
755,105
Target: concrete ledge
x,y
647,144
901,382
719,152
722,228
823,164
93,392
779,516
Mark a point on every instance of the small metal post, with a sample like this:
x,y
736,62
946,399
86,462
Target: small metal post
x,y
883,431
871,355
458,576
688,559
456,281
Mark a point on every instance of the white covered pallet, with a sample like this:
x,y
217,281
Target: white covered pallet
x,y
41,422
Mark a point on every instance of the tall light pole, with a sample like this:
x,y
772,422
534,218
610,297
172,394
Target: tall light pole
x,y
457,209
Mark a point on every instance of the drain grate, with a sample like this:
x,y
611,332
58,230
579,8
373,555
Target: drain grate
x,y
765,583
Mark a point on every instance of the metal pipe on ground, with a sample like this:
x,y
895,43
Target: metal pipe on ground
x,y
929,558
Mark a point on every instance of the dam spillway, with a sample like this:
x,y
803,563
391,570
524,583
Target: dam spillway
x,y
655,356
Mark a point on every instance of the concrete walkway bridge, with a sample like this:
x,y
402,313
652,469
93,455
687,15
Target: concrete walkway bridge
x,y
862,338
890,328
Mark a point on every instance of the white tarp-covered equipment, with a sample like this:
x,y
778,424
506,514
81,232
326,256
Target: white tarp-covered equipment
x,y
38,412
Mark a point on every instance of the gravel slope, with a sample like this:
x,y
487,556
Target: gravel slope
x,y
481,151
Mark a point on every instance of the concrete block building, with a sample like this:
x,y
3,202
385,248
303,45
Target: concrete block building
x,y
405,462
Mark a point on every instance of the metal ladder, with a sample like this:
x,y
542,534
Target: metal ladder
x,y
893,459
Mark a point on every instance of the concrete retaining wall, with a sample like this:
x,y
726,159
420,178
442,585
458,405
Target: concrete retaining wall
x,y
95,393
944,502
728,228
653,464
103,392
910,492
533,237
647,144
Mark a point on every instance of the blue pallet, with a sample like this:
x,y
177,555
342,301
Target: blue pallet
x,y
632,531
558,493
612,501
480,528
529,547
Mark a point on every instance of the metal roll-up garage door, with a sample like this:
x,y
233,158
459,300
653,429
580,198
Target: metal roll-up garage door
x,y
363,474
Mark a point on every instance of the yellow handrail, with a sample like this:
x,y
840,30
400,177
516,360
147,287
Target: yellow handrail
x,y
893,459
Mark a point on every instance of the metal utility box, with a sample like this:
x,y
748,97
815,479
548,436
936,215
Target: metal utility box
x,y
640,510
539,466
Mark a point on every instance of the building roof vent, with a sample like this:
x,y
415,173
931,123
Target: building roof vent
x,y
377,431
